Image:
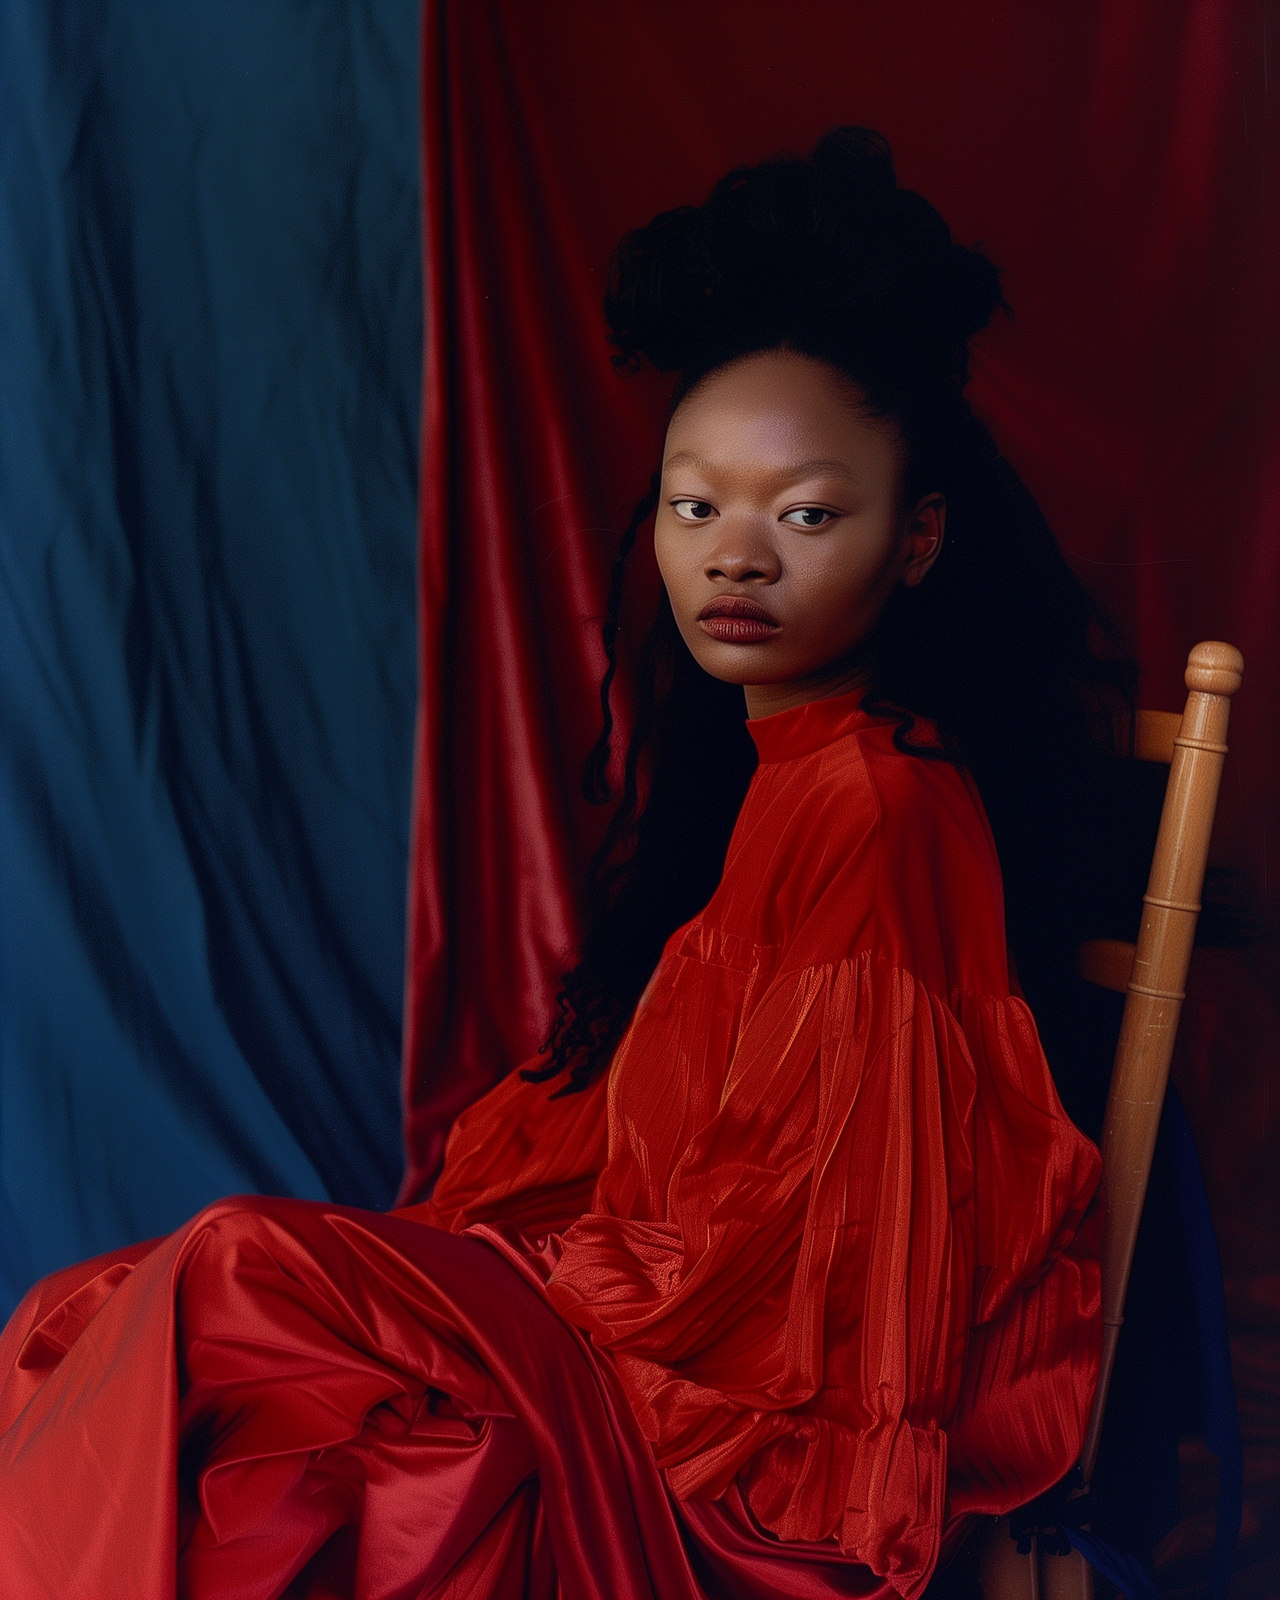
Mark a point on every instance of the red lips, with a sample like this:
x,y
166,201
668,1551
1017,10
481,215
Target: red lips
x,y
733,619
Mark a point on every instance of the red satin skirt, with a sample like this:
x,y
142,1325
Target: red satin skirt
x,y
292,1399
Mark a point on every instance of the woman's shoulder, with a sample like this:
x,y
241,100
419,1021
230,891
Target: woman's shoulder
x,y
878,780
919,785
862,844
939,890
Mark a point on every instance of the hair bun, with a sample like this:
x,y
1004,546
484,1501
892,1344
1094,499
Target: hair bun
x,y
825,254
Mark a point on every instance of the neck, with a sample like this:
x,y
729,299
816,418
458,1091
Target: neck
x,y
764,699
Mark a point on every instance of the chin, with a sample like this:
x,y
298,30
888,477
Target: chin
x,y
739,670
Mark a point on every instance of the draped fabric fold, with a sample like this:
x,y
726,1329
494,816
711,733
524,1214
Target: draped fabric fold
x,y
211,325
362,1404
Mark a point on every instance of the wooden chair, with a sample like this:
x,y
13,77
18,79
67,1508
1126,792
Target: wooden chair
x,y
1153,976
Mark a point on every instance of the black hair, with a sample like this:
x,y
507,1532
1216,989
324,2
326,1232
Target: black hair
x,y
1000,646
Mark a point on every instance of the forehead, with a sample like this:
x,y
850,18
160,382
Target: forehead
x,y
776,406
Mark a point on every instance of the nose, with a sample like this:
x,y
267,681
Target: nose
x,y
740,555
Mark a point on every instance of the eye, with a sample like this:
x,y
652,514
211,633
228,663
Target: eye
x,y
693,510
808,517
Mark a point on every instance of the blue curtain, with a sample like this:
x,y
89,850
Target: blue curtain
x,y
210,349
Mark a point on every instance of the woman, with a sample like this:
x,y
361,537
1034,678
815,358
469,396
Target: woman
x,y
767,1280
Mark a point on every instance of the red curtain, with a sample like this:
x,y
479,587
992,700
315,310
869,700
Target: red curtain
x,y
1116,159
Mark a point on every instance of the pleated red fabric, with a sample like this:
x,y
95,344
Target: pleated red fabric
x,y
839,1246
809,1280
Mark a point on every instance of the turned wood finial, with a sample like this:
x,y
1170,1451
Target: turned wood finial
x,y
1214,668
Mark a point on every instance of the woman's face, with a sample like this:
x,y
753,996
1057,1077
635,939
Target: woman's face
x,y
780,532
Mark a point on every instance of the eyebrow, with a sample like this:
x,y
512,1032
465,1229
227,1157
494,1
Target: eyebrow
x,y
801,469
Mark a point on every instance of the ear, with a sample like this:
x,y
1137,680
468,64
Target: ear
x,y
923,543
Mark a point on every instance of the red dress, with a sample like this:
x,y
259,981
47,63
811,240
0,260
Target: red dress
x,y
808,1281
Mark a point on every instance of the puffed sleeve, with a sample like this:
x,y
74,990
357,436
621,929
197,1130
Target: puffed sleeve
x,y
876,1239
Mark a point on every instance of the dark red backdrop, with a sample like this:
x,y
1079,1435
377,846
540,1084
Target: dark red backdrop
x,y
1113,158
1117,159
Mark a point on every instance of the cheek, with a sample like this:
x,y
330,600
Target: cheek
x,y
662,555
835,583
672,556
838,573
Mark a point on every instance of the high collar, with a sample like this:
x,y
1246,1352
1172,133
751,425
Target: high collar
x,y
804,729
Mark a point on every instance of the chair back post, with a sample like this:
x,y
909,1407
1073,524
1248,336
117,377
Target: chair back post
x,y
1157,986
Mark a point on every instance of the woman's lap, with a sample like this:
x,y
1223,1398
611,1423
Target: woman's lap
x,y
383,1406
351,1405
